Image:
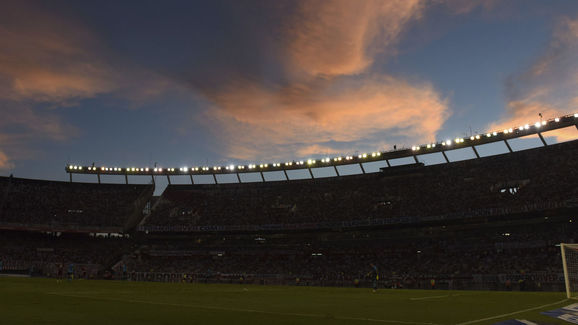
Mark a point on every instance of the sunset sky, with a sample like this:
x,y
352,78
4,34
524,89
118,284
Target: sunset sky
x,y
189,83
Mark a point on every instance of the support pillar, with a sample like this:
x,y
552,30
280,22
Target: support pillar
x,y
70,176
476,152
445,156
336,171
126,179
311,173
191,177
286,176
215,179
169,179
98,176
542,138
362,169
238,178
415,158
262,177
153,178
508,145
387,162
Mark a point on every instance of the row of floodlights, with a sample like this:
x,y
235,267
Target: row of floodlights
x,y
308,162
448,142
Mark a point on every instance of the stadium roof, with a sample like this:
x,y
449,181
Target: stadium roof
x,y
443,146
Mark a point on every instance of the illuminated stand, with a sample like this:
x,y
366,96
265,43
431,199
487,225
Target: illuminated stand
x,y
441,147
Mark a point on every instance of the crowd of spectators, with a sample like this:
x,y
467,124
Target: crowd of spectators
x,y
47,254
37,202
528,178
464,256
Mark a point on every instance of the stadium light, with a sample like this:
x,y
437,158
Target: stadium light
x,y
557,119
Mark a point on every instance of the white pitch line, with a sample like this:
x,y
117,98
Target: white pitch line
x,y
429,297
512,313
243,310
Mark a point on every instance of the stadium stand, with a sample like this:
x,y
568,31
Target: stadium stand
x,y
524,181
488,223
51,205
43,254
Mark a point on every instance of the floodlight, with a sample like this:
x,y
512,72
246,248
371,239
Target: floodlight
x,y
557,119
506,131
537,124
488,135
544,122
494,133
433,145
364,155
477,137
527,126
575,114
510,130
80,167
472,138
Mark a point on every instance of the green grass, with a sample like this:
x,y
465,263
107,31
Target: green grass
x,y
44,301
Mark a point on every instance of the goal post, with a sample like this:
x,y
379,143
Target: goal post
x,y
570,265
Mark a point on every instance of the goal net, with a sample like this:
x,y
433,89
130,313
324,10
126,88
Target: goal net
x,y
570,264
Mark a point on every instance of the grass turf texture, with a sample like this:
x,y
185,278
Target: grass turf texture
x,y
44,301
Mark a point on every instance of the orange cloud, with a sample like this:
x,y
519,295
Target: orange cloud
x,y
328,103
548,86
332,38
5,163
46,58
54,59
280,123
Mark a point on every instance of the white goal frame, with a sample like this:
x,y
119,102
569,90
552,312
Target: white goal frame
x,y
565,266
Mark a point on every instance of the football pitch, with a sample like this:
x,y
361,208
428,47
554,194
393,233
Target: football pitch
x,y
44,301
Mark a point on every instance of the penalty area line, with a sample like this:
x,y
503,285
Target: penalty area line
x,y
241,309
512,313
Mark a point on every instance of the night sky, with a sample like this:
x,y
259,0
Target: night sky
x,y
191,83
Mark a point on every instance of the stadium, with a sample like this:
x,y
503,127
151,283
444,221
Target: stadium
x,y
482,231
406,162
